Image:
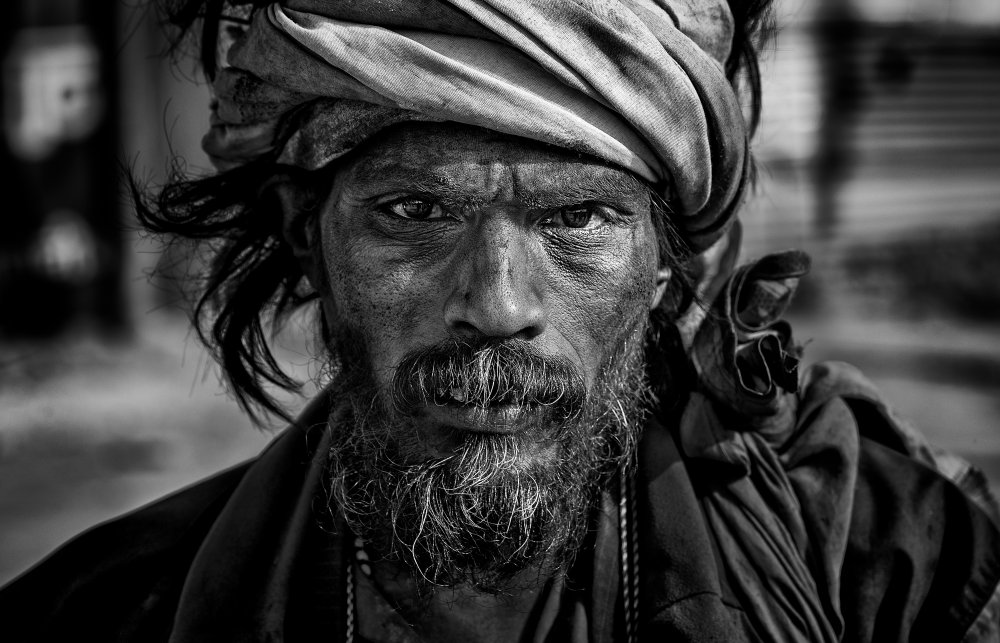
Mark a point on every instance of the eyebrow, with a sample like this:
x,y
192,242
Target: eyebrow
x,y
615,188
612,188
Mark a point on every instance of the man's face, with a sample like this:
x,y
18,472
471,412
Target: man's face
x,y
441,232
489,298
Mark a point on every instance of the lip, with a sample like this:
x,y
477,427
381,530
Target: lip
x,y
501,418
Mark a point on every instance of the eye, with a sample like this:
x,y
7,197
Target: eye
x,y
416,209
577,217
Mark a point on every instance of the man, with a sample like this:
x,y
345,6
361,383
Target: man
x,y
556,412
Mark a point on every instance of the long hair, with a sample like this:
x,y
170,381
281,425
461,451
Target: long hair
x,y
250,282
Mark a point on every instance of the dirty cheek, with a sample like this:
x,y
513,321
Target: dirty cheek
x,y
607,294
380,294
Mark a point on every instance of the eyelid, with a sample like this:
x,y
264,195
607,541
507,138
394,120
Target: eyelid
x,y
556,209
403,197
611,213
386,206
605,210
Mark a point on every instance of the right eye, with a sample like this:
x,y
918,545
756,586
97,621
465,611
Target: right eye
x,y
417,210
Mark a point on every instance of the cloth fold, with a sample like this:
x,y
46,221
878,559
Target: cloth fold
x,y
780,466
256,538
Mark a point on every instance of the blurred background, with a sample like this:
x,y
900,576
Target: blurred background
x,y
879,154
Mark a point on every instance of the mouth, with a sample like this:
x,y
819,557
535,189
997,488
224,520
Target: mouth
x,y
462,395
453,408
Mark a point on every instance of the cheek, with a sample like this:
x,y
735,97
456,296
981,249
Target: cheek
x,y
380,299
604,296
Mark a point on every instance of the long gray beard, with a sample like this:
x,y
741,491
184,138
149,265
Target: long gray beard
x,y
487,511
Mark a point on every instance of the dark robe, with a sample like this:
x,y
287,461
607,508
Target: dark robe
x,y
767,507
239,556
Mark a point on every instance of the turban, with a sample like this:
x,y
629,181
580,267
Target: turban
x,y
637,83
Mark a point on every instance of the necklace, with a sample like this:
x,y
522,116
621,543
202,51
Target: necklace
x,y
350,604
628,551
628,541
364,564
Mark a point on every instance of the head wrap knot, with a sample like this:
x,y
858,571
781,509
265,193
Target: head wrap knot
x,y
638,83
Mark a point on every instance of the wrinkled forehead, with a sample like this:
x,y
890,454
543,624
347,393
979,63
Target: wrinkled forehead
x,y
473,162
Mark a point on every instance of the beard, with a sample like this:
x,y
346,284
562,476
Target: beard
x,y
477,508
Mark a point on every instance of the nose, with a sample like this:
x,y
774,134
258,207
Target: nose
x,y
496,287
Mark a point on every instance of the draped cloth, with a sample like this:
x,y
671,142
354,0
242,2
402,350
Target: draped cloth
x,y
637,83
727,552
785,465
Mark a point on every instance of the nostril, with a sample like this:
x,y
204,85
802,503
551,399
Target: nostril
x,y
496,288
530,332
464,328
492,325
485,316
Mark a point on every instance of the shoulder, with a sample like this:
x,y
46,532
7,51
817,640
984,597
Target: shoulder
x,y
922,559
901,538
923,556
123,576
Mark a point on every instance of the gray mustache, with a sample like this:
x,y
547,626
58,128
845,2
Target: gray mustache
x,y
489,372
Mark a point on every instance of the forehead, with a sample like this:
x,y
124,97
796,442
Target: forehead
x,y
452,157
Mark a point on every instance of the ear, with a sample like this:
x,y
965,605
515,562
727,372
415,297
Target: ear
x,y
662,281
299,223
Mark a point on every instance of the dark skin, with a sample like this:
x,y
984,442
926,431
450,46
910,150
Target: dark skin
x,y
436,231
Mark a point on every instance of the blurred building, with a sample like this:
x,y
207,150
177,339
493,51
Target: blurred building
x,y
61,249
880,152
87,95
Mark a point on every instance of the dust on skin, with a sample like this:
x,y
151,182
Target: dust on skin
x,y
434,231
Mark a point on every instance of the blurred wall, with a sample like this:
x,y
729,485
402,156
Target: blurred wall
x,y
164,104
881,142
61,253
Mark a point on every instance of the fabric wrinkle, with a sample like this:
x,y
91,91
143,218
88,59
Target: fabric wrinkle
x,y
743,418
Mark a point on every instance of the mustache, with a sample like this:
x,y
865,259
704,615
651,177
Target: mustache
x,y
487,372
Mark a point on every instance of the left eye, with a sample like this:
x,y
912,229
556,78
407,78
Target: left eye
x,y
580,216
417,209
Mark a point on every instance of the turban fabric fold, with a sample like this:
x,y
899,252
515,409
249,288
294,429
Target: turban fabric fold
x,y
638,83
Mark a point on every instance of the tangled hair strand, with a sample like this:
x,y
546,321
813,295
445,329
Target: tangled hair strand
x,y
253,280
754,29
